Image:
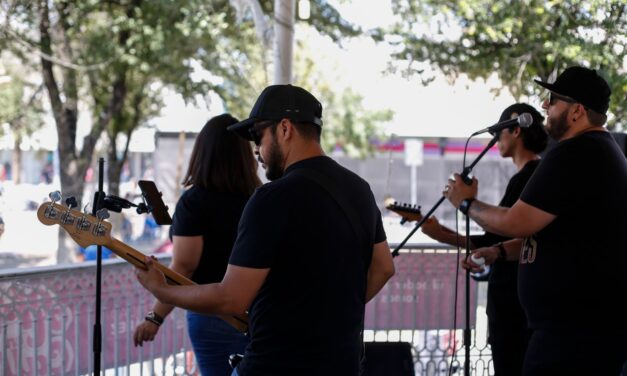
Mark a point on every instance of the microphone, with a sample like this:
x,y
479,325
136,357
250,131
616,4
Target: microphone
x,y
524,120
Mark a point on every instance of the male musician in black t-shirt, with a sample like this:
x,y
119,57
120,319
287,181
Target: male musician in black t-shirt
x,y
310,250
507,323
573,213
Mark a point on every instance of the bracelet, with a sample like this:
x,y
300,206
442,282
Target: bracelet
x,y
464,206
154,318
502,250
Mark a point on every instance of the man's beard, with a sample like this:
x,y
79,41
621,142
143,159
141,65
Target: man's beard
x,y
274,170
557,127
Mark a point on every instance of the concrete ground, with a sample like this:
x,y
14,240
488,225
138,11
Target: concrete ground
x,y
26,242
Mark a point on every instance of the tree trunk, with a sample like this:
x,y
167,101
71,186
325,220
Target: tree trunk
x,y
16,163
114,168
65,119
283,40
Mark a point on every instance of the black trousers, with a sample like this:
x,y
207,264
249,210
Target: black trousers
x,y
509,345
575,352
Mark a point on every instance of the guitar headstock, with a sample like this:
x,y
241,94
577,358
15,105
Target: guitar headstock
x,y
407,211
84,229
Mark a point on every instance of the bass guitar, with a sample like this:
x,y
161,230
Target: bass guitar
x,y
87,230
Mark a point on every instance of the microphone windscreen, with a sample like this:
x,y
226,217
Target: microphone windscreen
x,y
525,120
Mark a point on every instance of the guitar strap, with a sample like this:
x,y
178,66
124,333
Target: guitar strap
x,y
353,218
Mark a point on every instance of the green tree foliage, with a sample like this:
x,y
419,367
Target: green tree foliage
x,y
115,56
20,108
518,40
20,105
348,125
159,45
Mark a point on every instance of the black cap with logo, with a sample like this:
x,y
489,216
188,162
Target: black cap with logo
x,y
277,102
583,85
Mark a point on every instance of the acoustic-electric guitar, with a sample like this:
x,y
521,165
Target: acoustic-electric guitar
x,y
87,230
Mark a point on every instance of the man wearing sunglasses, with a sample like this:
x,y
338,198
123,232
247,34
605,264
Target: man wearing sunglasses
x,y
573,216
310,251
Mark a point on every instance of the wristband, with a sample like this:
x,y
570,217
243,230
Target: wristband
x,y
464,206
502,250
154,318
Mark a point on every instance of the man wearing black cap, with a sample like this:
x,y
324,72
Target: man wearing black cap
x,y
573,215
507,324
310,250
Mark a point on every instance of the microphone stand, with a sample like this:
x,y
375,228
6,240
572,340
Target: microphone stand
x,y
114,203
97,340
464,175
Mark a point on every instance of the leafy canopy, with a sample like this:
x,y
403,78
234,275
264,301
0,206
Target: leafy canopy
x,y
517,40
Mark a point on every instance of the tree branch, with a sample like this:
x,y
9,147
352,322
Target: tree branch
x,y
66,129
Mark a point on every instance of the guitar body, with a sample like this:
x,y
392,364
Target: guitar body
x,y
88,230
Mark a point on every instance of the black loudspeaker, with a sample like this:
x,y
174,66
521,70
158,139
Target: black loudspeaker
x,y
388,359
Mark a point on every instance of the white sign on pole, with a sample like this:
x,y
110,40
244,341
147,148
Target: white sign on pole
x,y
414,150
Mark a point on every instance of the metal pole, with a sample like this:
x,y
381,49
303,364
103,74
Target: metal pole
x,y
98,200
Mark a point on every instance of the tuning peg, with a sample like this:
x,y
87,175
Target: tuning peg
x,y
99,229
55,196
71,202
102,214
51,212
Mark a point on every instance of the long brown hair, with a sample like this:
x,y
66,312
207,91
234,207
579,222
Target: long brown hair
x,y
221,160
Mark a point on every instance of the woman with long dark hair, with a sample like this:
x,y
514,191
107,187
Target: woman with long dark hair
x,y
221,176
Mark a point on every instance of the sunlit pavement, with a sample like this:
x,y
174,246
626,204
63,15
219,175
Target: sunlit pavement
x,y
27,242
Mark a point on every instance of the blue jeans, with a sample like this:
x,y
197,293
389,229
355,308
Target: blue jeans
x,y
213,341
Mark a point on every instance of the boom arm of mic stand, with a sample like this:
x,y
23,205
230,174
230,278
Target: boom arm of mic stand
x,y
467,170
420,222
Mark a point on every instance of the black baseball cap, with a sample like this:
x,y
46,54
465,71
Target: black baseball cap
x,y
519,109
584,85
277,102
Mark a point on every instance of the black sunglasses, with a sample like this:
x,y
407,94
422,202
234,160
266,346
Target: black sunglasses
x,y
255,130
556,97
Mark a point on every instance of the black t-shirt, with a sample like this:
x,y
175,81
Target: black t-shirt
x,y
214,216
307,317
573,272
503,305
